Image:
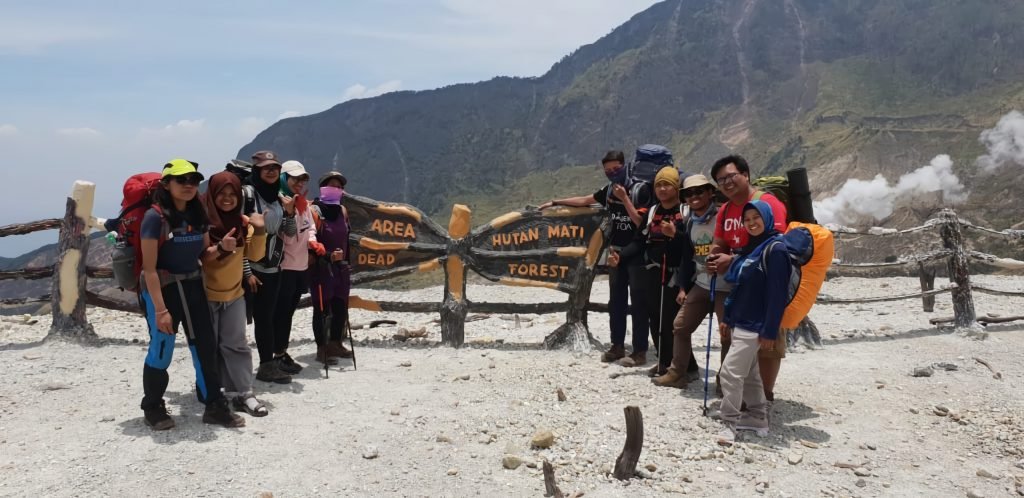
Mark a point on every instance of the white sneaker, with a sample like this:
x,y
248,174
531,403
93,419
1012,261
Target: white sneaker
x,y
727,436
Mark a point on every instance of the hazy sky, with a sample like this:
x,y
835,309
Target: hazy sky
x,y
101,90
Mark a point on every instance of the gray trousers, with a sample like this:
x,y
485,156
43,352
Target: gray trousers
x,y
741,379
234,355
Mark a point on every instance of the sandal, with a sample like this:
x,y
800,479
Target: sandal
x,y
249,404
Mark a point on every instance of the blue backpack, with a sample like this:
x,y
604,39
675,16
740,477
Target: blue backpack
x,y
799,245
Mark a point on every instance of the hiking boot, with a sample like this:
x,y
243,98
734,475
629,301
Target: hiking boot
x,y
634,360
268,372
657,370
218,412
338,350
615,353
287,365
323,357
158,418
693,375
671,379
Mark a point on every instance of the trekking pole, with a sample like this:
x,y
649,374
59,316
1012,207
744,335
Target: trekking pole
x,y
351,344
325,330
661,317
707,356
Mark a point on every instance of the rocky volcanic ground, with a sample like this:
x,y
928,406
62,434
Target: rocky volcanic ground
x,y
419,419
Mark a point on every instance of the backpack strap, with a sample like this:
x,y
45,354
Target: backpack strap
x,y
757,195
314,210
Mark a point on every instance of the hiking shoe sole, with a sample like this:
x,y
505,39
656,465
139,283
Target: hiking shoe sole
x,y
162,425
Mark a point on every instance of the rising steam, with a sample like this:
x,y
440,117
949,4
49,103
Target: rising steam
x,y
860,199
1005,143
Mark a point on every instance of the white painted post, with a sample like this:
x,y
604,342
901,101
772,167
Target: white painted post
x,y
68,296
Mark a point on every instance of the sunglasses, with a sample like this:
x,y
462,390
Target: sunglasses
x,y
692,192
189,179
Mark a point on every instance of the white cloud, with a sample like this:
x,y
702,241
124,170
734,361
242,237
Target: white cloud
x,y
288,114
182,127
359,91
83,132
252,126
7,130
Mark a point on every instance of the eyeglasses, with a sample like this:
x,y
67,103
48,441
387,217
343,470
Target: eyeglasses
x,y
726,179
692,192
190,179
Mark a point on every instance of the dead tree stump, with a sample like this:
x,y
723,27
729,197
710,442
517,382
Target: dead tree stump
x,y
625,465
550,488
927,275
959,271
69,291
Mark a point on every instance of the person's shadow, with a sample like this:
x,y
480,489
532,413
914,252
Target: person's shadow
x,y
188,423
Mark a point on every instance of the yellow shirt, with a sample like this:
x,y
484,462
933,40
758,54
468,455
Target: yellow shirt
x,y
223,277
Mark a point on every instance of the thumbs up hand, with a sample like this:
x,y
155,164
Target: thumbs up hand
x,y
229,243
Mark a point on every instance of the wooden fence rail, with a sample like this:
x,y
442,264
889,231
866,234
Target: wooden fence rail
x,y
69,273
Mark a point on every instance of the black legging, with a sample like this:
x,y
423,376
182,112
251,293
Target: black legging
x,y
293,285
662,313
339,315
264,302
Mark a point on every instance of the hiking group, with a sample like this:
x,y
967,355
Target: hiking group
x,y
242,252
680,248
248,248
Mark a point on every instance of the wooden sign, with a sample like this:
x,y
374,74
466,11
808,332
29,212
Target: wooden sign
x,y
549,248
389,239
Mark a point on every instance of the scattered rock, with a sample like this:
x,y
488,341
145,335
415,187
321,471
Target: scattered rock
x,y
54,386
861,472
1020,490
748,459
809,444
974,493
511,462
463,377
651,467
795,458
370,452
543,439
987,474
949,367
923,372
395,413
405,364
31,356
441,438
561,394
107,418
759,488
940,410
871,447
264,494
453,471
860,483
643,474
915,411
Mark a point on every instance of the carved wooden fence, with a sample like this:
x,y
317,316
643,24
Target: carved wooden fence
x,y
556,249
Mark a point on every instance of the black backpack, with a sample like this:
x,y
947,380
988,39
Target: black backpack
x,y
647,161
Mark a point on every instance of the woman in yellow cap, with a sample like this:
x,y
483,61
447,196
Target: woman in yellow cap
x,y
174,239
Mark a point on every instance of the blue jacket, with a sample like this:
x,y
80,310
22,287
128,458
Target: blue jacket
x,y
758,298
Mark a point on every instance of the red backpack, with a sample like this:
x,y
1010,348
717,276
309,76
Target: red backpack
x,y
126,259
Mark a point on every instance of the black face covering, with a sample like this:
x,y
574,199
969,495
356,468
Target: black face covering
x,y
267,191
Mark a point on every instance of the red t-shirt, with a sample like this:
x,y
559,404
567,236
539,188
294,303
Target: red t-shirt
x,y
729,224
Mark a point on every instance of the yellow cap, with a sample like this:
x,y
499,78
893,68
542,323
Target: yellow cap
x,y
181,167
